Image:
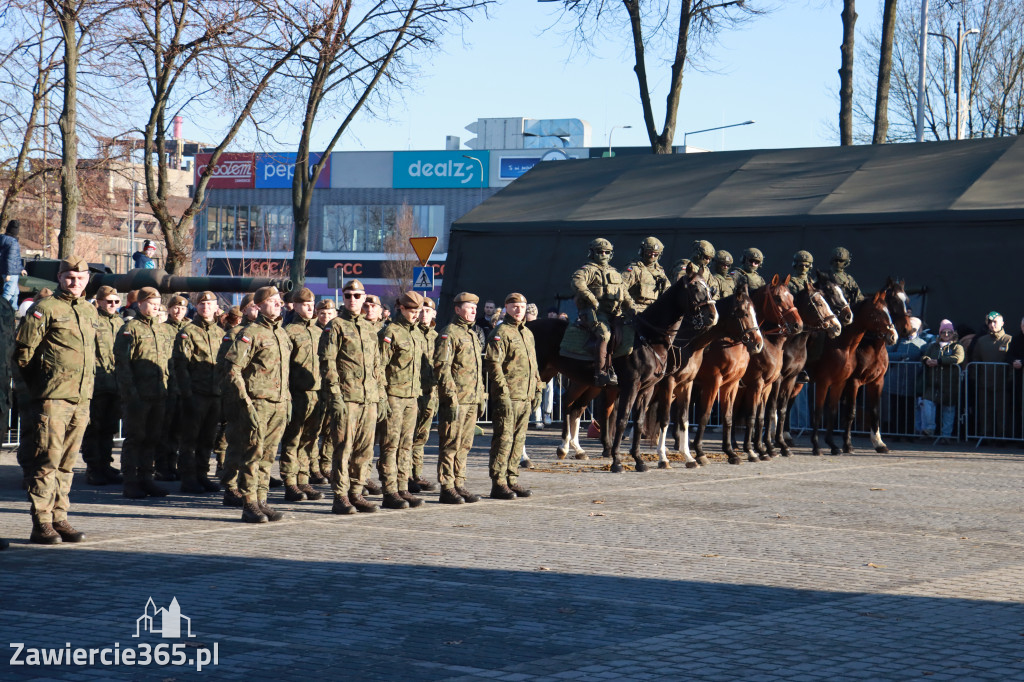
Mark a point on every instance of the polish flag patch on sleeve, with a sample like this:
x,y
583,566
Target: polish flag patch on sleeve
x,y
387,339
184,335
496,338
36,314
246,339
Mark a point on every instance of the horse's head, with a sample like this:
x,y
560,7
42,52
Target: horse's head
x,y
835,297
745,317
876,318
705,312
898,303
781,307
815,307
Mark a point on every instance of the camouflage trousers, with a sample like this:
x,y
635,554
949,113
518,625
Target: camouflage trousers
x,y
456,427
235,433
354,425
60,427
427,406
170,441
28,423
98,443
509,439
299,444
201,418
323,454
264,426
143,432
395,464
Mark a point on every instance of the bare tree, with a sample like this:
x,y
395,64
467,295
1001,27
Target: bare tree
x,y
849,16
686,31
354,57
884,74
397,268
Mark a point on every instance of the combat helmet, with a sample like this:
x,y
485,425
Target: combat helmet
x,y
840,253
751,254
651,244
600,244
803,257
703,249
723,257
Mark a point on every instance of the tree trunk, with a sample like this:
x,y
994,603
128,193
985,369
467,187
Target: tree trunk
x,y
70,195
884,73
846,74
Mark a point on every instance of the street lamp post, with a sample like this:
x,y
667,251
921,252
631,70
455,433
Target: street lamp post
x,y
958,60
610,153
708,130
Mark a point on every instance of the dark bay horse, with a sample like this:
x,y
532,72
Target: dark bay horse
x,y
780,320
689,302
838,361
723,365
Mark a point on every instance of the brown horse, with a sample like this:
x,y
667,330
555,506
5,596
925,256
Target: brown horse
x,y
839,360
872,364
780,320
816,306
723,366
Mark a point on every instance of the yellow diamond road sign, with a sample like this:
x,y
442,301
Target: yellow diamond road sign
x,y
423,246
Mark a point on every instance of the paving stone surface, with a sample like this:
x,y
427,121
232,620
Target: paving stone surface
x,y
878,567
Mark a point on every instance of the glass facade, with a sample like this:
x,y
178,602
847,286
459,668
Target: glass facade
x,y
249,228
364,228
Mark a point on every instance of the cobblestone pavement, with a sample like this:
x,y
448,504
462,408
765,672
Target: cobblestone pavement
x,y
865,566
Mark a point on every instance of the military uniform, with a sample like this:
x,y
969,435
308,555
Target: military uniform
x,y
601,298
258,366
143,352
402,349
747,273
460,386
55,350
105,408
351,372
644,283
323,447
511,362
174,435
200,389
840,260
298,458
427,405
721,283
235,432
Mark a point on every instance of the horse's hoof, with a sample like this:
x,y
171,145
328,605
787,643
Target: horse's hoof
x,y
816,453
836,452
765,457
663,464
581,455
752,458
785,452
882,449
561,453
641,465
692,464
733,459
579,451
848,449
616,468
703,460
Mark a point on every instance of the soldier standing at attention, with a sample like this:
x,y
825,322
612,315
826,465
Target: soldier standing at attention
x,y
234,415
402,349
199,388
428,398
351,373
721,283
373,310
257,365
105,409
55,350
747,272
840,261
601,299
460,387
304,383
143,359
644,278
167,453
511,361
323,451
803,261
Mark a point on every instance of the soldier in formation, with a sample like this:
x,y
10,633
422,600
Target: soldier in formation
x,y
428,397
644,278
105,408
303,429
601,298
840,261
722,283
803,261
748,273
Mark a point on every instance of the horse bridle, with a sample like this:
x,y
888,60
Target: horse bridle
x,y
783,325
820,305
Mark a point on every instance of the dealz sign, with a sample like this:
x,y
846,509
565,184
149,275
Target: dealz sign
x,y
440,169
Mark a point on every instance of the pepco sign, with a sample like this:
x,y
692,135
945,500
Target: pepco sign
x,y
441,169
276,170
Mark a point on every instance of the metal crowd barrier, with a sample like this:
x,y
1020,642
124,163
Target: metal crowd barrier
x,y
994,402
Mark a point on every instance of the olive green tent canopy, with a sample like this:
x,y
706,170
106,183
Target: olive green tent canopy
x,y
945,216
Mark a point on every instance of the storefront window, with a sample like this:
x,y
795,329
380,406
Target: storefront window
x,y
249,228
365,228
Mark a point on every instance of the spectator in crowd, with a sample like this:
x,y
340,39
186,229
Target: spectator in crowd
x,y
990,394
941,381
902,379
483,318
144,259
531,312
10,262
105,408
552,313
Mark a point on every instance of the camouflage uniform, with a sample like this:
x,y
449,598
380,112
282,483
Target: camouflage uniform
x,y
301,433
840,260
105,409
257,364
323,453
199,386
427,401
511,361
721,283
235,428
402,349
702,250
601,298
644,278
144,365
174,434
351,373
747,274
460,385
55,350
803,261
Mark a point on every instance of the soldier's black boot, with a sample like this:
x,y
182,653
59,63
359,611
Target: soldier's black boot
x,y
271,513
113,475
151,488
44,534
362,505
233,498
311,492
251,513
341,506
67,532
293,494
276,482
414,487
96,476
133,490
451,496
317,478
410,498
423,484
208,485
192,486
519,490
372,487
500,491
394,501
469,497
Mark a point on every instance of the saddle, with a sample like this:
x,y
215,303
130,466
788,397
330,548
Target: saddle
x,y
579,344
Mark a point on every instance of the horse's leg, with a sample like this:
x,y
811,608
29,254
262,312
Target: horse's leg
x,y
759,425
874,397
664,390
705,402
684,424
789,396
678,413
641,410
726,405
771,419
607,419
745,399
831,407
625,407
820,393
850,398
571,425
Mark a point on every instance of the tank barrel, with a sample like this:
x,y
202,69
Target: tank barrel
x,y
166,283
